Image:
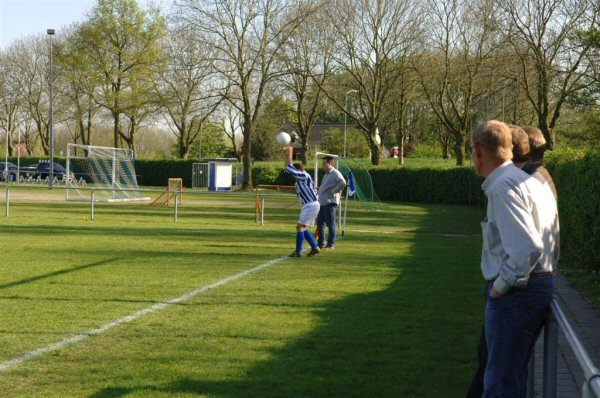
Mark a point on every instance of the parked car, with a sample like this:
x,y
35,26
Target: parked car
x,y
12,171
42,171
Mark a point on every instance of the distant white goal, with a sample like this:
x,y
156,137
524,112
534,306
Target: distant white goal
x,y
109,171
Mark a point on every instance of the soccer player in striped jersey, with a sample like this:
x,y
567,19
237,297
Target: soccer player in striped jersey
x,y
307,194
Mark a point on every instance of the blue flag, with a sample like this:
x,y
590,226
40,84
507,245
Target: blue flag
x,y
351,184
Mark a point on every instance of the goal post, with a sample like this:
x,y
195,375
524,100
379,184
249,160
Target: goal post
x,y
109,171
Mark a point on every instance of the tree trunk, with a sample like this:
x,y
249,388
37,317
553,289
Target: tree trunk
x,y
116,117
184,150
375,154
459,149
44,138
546,131
87,136
10,143
304,152
446,150
401,153
246,155
132,133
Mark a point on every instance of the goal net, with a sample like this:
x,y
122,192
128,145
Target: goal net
x,y
107,173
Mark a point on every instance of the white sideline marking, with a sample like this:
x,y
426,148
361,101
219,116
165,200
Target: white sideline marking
x,y
4,365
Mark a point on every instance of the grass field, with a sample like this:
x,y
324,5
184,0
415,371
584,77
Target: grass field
x,y
395,311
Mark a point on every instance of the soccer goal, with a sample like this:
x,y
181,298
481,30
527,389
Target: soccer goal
x,y
110,172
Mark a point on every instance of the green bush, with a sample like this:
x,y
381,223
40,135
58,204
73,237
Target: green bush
x,y
420,150
457,186
273,175
577,179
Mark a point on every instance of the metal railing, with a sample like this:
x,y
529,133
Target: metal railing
x,y
93,191
557,319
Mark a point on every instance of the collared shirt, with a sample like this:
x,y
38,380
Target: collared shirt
x,y
305,188
331,187
521,231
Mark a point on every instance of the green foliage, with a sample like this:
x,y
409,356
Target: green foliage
x,y
276,115
577,179
274,175
211,143
580,125
454,185
457,186
422,150
356,144
122,41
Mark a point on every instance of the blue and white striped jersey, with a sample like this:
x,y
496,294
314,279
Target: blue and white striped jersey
x,y
305,188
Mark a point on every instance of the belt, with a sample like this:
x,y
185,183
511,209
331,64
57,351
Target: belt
x,y
541,274
532,275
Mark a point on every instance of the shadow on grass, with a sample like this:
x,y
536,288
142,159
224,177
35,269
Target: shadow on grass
x,y
56,273
415,338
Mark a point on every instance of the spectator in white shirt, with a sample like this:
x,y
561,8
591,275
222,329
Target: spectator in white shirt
x,y
519,256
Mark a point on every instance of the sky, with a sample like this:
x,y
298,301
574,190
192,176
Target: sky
x,y
20,18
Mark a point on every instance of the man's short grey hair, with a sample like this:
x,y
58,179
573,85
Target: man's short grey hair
x,y
495,138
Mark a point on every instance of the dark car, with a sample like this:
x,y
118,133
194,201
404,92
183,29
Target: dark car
x,y
12,171
43,170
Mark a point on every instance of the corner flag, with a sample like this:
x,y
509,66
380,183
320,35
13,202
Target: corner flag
x,y
351,184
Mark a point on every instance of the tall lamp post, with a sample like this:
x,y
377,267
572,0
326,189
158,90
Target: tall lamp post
x,y
346,116
51,170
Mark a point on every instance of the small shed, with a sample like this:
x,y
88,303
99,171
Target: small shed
x,y
220,171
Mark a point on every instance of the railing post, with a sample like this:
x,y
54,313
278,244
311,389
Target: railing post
x,y
550,356
256,207
176,207
7,200
262,213
92,200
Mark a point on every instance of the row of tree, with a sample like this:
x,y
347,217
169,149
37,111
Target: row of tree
x,y
393,67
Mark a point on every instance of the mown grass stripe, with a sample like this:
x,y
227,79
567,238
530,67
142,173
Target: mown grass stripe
x,y
130,318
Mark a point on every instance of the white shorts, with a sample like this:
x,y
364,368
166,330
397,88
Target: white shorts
x,y
309,213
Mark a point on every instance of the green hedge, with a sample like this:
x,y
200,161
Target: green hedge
x,y
577,180
156,173
457,186
31,160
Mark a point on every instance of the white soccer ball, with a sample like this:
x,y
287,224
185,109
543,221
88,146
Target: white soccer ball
x,y
284,138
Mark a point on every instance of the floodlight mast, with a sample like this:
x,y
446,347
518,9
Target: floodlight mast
x,y
50,33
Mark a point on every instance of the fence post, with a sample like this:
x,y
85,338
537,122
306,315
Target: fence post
x,y
550,356
92,200
7,200
176,207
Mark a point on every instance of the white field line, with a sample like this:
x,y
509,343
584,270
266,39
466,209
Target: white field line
x,y
4,365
